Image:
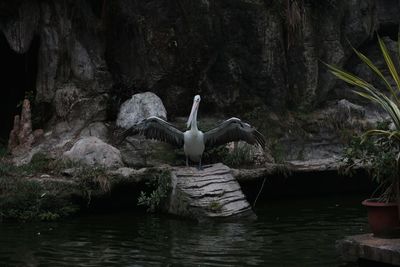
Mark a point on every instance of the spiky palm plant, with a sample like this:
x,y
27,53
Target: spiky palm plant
x,y
389,101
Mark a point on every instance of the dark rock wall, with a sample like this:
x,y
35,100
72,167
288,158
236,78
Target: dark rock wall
x,y
224,50
238,54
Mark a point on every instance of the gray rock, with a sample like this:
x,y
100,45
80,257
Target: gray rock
x,y
93,151
346,110
70,51
21,28
124,172
132,175
383,251
139,107
66,96
96,129
49,56
211,194
90,109
81,63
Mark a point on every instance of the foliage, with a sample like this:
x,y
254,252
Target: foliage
x,y
160,184
239,156
378,155
92,179
40,162
256,115
277,151
24,200
215,206
378,147
366,90
215,154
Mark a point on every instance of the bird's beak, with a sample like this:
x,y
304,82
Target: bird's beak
x,y
192,112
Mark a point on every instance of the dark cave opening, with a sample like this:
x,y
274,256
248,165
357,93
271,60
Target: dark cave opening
x,y
18,79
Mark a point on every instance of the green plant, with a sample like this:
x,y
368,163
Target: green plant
x,y
215,206
160,184
384,142
92,179
240,156
378,155
277,151
40,162
26,199
215,154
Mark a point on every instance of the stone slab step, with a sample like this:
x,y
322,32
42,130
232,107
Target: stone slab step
x,y
209,194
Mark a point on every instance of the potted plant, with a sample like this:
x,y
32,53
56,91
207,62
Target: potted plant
x,y
379,149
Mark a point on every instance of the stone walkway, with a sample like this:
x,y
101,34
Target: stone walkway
x,y
368,247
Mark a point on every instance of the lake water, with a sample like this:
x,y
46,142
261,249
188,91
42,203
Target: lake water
x,y
296,232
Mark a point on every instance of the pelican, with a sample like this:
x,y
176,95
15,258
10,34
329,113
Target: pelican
x,y
193,140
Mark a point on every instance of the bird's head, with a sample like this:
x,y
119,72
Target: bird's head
x,y
195,107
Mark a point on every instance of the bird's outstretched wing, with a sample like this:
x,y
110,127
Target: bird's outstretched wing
x,y
231,130
157,129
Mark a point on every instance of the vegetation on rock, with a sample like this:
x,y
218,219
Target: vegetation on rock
x,y
378,156
239,156
91,179
159,184
43,189
23,199
379,148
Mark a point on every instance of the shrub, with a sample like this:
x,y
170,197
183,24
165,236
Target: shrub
x,y
23,199
378,148
160,184
240,156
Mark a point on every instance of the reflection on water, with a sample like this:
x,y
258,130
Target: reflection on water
x,y
288,233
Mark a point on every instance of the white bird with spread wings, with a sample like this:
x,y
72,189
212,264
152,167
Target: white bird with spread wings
x,y
193,140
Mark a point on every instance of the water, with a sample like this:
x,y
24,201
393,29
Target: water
x,y
296,232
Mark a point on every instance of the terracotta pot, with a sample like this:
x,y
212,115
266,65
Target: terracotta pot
x,y
383,218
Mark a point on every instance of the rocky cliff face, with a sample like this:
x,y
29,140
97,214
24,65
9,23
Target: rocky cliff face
x,y
236,52
240,55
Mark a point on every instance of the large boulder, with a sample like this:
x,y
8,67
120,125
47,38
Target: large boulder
x,y
93,151
139,107
135,150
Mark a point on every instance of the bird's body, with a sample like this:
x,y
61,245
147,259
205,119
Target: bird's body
x,y
193,144
193,140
